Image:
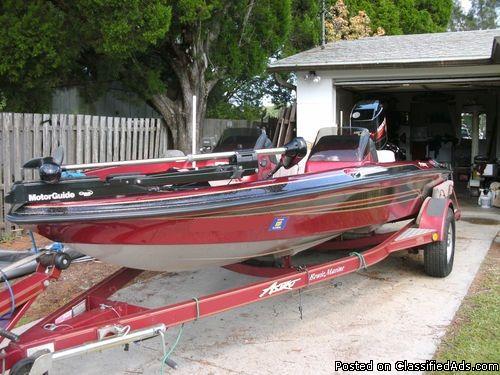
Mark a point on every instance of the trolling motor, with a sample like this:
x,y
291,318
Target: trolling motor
x,y
296,149
49,168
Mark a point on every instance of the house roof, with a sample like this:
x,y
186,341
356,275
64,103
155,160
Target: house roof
x,y
450,48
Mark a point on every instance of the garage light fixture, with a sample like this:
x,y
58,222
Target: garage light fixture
x,y
312,76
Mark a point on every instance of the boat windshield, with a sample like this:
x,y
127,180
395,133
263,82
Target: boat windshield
x,y
341,144
237,139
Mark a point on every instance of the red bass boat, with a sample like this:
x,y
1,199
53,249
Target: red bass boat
x,y
188,212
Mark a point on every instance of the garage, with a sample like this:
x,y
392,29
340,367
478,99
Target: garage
x,y
440,92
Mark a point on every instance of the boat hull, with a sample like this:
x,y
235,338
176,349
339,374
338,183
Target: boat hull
x,y
175,258
226,225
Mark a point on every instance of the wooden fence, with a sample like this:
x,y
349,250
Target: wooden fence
x,y
85,138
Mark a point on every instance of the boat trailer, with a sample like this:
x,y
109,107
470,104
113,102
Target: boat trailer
x,y
93,322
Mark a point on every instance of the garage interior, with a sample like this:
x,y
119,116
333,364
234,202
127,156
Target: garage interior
x,y
449,120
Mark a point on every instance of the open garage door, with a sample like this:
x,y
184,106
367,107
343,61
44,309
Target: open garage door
x,y
450,120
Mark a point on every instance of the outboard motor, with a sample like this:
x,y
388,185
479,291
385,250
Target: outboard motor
x,y
370,114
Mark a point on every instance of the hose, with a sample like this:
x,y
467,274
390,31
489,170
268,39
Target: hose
x,y
12,297
167,355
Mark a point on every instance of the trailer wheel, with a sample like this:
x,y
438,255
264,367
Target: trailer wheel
x,y
22,367
439,255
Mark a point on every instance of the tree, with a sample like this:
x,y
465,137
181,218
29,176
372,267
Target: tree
x,y
166,51
369,17
483,14
169,50
405,16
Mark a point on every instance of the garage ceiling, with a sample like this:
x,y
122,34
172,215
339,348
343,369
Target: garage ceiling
x,y
449,84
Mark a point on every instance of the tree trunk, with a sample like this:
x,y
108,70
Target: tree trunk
x,y
178,113
179,119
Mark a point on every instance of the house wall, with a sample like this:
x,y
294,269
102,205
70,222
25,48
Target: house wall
x,y
315,106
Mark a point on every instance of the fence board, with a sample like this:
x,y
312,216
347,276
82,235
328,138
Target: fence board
x,y
109,138
28,143
54,127
140,138
134,139
95,139
79,139
37,140
123,136
45,135
18,118
157,138
128,153
7,176
116,138
63,133
102,137
145,154
71,139
87,145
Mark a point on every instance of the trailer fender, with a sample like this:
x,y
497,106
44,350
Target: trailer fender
x,y
433,213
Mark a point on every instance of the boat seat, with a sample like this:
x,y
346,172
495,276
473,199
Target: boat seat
x,y
386,156
263,142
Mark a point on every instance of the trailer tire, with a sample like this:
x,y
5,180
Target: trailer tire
x,y
439,255
22,367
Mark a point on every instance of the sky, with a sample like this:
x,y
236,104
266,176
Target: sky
x,y
465,5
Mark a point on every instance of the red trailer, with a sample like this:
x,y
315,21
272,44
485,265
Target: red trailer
x,y
92,321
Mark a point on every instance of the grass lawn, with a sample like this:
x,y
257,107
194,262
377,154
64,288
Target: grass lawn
x,y
474,336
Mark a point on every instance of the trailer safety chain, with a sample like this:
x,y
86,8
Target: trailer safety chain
x,y
302,269
195,299
300,304
362,261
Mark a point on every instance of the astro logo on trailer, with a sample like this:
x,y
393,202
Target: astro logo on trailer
x,y
279,223
278,287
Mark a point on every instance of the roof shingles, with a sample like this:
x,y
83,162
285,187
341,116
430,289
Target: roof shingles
x,y
396,49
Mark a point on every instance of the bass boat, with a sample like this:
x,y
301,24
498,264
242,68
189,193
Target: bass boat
x,y
188,212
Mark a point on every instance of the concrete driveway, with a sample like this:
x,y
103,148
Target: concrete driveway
x,y
391,312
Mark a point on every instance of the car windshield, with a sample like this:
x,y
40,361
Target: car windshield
x,y
345,144
237,139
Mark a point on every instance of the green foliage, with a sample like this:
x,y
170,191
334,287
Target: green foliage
x,y
405,16
483,14
473,337
46,44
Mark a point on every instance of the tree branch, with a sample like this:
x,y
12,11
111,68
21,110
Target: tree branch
x,y
284,83
245,20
